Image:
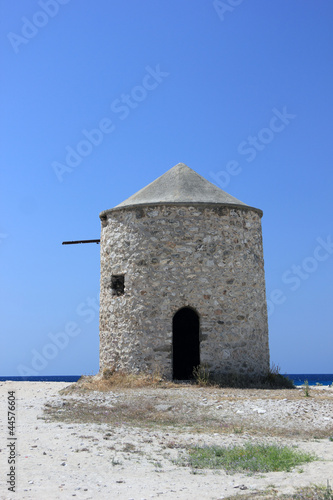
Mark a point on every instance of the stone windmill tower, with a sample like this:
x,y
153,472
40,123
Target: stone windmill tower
x,y
182,281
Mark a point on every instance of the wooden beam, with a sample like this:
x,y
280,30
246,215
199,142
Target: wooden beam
x,y
81,241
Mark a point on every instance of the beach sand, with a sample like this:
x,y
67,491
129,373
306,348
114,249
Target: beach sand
x,y
120,460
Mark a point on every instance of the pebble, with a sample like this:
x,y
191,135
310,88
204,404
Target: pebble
x,y
259,410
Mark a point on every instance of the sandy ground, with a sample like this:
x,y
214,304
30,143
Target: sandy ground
x,y
88,461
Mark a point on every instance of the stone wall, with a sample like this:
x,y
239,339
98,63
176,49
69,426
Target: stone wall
x,y
208,257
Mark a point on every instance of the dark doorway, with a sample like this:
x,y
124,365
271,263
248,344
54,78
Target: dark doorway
x,y
185,343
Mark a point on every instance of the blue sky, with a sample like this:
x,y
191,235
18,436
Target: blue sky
x,y
100,98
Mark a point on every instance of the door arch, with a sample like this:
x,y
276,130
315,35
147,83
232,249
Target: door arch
x,y
185,343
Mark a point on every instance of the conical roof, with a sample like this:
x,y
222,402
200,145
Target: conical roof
x,y
181,185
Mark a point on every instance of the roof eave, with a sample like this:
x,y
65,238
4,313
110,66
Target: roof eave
x,y
104,214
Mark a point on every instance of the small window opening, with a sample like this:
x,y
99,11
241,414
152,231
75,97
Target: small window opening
x,y
118,284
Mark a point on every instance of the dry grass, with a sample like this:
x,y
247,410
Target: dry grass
x,y
138,411
111,380
315,492
162,404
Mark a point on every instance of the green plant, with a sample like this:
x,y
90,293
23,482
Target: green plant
x,y
306,389
250,458
238,430
328,494
202,375
274,379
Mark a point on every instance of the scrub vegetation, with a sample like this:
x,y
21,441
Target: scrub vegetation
x,y
249,458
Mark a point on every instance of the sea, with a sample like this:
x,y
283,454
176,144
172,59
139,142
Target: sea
x,y
297,378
